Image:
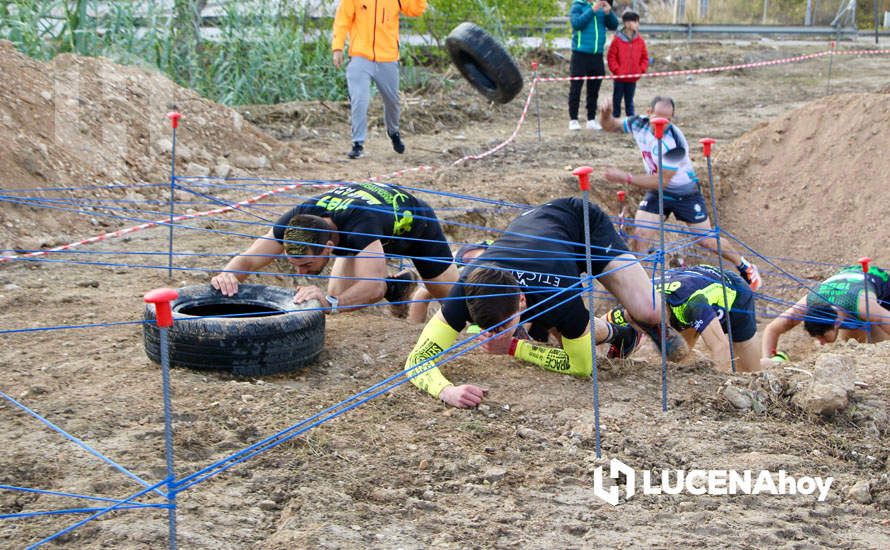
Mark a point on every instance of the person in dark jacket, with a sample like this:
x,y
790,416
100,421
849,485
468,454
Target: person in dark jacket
x,y
627,56
589,19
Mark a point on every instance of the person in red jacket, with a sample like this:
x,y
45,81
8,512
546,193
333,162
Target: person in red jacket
x,y
627,56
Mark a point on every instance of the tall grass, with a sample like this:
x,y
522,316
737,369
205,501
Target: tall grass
x,y
261,51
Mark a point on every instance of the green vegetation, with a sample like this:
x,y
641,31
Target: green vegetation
x,y
259,51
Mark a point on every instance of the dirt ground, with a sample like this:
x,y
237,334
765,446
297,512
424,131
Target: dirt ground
x,y
405,471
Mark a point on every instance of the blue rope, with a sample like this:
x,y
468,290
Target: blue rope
x,y
58,493
80,443
100,513
78,511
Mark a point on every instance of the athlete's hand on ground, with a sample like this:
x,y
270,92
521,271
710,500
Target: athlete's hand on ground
x,y
226,283
465,397
306,293
338,58
615,175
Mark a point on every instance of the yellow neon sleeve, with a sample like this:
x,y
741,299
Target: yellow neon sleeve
x,y
436,337
570,360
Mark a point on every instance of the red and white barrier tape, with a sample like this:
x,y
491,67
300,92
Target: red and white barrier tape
x,y
720,69
422,168
165,221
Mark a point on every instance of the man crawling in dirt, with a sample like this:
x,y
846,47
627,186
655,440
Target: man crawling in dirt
x,y
695,306
533,273
360,224
837,307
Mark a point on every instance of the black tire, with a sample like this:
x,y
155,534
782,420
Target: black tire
x,y
484,62
244,346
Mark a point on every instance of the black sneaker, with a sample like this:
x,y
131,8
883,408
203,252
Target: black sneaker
x,y
675,345
625,342
358,150
399,289
397,144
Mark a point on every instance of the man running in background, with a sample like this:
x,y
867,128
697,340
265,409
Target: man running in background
x,y
682,195
837,307
533,273
360,224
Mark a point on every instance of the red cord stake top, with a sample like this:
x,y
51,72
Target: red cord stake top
x,y
865,260
174,119
706,145
583,173
534,65
621,196
658,126
161,298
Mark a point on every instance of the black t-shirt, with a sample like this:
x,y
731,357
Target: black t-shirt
x,y
364,213
544,250
695,296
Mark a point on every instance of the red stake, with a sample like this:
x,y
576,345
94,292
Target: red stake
x,y
583,173
161,298
864,261
706,144
174,119
534,65
658,126
621,196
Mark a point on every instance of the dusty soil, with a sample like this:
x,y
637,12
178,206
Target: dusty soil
x,y
403,470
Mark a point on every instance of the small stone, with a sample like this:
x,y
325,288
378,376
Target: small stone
x,y
860,492
686,506
367,359
494,474
251,162
268,505
737,397
828,392
222,170
47,95
195,169
88,284
424,464
247,398
483,407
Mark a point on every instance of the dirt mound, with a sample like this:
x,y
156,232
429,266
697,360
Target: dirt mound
x,y
78,121
819,172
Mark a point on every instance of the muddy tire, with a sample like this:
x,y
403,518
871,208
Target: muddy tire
x,y
255,345
484,63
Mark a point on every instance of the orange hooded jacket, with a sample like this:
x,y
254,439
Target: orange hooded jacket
x,y
372,26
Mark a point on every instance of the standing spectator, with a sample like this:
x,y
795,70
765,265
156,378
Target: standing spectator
x,y
590,19
373,30
627,56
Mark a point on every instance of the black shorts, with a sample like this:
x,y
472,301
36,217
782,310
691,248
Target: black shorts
x,y
686,208
428,248
742,314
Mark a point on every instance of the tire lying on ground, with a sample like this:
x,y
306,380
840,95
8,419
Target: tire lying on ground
x,y
269,334
484,62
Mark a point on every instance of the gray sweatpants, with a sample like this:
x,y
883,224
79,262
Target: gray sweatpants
x,y
359,74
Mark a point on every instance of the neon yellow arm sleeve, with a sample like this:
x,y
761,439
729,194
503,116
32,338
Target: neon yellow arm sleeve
x,y
574,359
436,337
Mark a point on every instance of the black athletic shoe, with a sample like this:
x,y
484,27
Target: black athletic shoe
x,y
358,150
399,289
397,144
675,345
625,342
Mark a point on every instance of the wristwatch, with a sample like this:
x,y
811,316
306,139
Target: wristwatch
x,y
335,303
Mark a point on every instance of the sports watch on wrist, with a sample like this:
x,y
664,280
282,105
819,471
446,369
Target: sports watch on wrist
x,y
335,303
